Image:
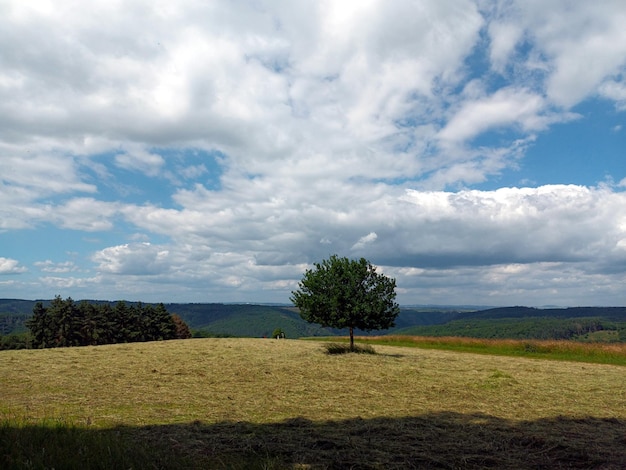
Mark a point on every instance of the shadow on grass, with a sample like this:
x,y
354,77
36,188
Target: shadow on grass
x,y
441,440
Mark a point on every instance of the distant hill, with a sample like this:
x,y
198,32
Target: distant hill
x,y
260,320
609,313
251,320
578,323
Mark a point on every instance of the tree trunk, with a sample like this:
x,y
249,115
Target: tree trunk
x,y
351,339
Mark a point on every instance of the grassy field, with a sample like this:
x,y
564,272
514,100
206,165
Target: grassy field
x,y
263,403
591,352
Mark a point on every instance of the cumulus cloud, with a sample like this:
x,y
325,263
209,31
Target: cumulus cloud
x,y
10,266
248,140
135,259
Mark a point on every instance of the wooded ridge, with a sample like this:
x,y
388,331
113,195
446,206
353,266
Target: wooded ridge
x,y
260,320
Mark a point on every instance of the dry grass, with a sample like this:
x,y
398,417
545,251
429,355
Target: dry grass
x,y
286,402
592,352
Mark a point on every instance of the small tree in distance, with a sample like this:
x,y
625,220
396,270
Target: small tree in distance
x,y
343,293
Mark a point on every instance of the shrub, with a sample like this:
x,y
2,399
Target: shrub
x,y
335,348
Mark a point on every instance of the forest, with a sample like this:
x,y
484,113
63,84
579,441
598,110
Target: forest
x,y
100,322
67,323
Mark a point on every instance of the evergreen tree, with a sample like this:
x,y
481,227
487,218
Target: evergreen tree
x,y
65,323
37,324
121,323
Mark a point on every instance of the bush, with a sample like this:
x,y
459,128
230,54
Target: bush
x,y
15,341
278,333
335,348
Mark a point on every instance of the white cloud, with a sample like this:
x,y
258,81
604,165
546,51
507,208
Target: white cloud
x,y
615,91
432,231
51,267
365,241
140,160
58,284
135,259
41,174
10,266
193,171
505,107
330,119
504,38
577,46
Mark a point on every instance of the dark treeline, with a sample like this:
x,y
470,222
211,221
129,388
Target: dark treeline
x,y
67,323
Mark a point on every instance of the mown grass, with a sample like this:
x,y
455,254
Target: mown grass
x,y
262,403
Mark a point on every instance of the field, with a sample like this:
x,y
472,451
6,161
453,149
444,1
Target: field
x,y
264,403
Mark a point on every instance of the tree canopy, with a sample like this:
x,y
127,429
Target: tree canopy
x,y
345,293
67,323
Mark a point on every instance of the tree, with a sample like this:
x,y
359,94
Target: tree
x,y
344,293
278,333
182,329
66,323
38,326
158,323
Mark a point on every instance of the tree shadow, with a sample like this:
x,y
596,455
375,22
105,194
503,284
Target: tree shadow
x,y
445,440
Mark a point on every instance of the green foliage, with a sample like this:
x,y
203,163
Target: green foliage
x,y
12,323
250,320
278,333
344,293
338,348
259,321
583,329
16,341
65,323
608,313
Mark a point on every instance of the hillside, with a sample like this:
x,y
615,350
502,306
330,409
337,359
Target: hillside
x,y
606,324
608,313
253,320
243,320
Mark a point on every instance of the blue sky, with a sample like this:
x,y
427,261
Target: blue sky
x,y
210,152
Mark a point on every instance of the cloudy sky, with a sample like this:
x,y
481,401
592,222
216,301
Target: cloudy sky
x,y
209,151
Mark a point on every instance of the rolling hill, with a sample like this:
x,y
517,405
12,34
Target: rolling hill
x,y
256,320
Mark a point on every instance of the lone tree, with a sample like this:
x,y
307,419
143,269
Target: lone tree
x,y
344,293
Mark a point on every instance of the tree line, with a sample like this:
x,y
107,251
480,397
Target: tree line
x,y
68,323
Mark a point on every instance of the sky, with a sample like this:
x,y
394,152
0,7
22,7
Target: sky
x,y
212,151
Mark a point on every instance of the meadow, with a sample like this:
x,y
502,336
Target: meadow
x,y
265,403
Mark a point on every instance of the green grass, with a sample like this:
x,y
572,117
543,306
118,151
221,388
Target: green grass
x,y
590,352
278,404
59,444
